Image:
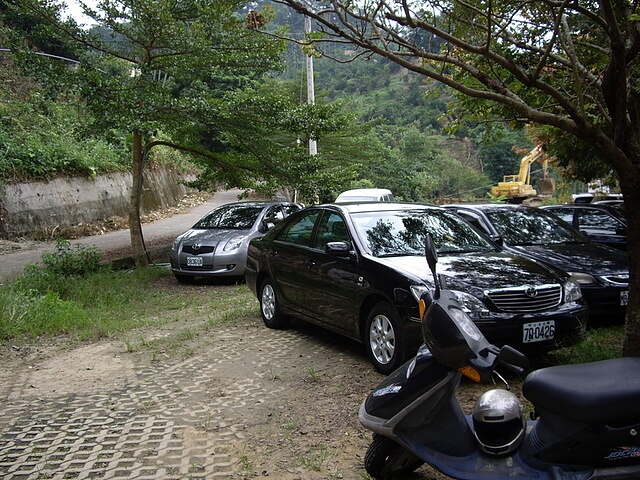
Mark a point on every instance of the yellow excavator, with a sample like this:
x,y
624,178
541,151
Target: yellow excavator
x,y
516,188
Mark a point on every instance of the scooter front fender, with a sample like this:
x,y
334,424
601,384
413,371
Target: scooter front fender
x,y
416,391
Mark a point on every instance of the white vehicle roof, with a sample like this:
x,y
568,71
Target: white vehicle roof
x,y
365,194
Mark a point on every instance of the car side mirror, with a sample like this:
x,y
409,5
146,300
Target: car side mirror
x,y
338,249
497,239
265,226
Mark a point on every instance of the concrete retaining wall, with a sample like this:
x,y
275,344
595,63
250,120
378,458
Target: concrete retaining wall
x,y
26,207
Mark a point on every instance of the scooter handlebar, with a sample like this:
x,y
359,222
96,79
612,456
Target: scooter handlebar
x,y
512,359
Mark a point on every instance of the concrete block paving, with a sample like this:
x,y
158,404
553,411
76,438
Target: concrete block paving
x,y
186,420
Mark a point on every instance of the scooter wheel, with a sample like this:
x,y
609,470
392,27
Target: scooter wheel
x,y
385,459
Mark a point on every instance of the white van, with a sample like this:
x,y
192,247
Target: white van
x,y
366,195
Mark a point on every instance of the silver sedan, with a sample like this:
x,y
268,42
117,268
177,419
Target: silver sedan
x,y
217,244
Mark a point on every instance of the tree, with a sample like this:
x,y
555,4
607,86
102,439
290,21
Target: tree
x,y
569,66
177,59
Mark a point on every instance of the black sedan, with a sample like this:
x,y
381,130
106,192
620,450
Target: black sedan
x,y
602,272
359,270
602,223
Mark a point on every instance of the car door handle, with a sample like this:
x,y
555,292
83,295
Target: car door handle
x,y
310,263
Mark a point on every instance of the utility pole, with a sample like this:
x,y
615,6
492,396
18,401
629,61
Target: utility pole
x,y
311,96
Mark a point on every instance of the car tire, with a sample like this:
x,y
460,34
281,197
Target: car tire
x,y
269,306
384,339
184,279
386,459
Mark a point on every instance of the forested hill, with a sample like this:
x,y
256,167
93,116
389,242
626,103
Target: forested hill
x,y
396,99
398,139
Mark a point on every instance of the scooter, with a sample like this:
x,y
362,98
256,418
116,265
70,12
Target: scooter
x,y
585,424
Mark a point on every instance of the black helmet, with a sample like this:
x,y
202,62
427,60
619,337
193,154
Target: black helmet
x,y
498,422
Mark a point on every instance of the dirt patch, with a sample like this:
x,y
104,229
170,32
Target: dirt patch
x,y
246,402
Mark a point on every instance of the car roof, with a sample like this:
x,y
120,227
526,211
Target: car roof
x,y
486,206
365,191
361,207
257,203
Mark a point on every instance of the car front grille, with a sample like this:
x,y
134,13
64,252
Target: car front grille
x,y
526,299
197,251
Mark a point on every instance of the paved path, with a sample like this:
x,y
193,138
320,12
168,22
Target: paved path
x,y
12,264
224,413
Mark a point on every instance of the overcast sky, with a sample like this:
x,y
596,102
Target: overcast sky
x,y
73,10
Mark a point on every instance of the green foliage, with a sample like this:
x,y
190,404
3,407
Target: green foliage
x,y
414,165
41,138
53,272
109,304
600,343
35,314
70,260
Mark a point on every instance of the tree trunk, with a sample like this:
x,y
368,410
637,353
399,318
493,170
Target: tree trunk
x,y
137,245
630,183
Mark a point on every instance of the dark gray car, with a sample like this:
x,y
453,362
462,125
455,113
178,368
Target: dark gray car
x,y
602,223
217,244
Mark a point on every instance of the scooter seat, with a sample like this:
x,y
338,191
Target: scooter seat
x,y
606,391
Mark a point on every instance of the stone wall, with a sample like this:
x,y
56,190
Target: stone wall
x,y
25,207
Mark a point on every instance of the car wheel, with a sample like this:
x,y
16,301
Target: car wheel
x,y
269,307
184,279
384,340
386,459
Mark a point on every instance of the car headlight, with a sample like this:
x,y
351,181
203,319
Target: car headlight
x,y
176,243
234,243
470,304
572,291
583,278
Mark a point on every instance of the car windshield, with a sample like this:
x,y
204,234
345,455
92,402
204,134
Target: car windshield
x,y
241,217
532,227
402,233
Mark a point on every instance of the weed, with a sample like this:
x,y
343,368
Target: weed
x,y
314,459
313,376
246,469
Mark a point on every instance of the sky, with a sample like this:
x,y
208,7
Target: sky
x,y
73,10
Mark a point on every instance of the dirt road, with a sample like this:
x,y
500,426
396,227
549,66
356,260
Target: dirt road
x,y
113,244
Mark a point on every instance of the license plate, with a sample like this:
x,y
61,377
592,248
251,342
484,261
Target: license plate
x,y
624,298
194,261
538,331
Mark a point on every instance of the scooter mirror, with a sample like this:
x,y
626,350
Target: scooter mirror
x,y
431,253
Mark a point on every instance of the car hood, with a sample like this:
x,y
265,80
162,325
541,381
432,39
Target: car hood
x,y
211,236
479,271
588,258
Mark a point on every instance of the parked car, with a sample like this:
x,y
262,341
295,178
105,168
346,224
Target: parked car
x,y
596,197
365,195
602,223
360,269
217,244
602,272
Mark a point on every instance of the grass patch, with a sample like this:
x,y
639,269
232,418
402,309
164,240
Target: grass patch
x,y
71,294
92,306
600,343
